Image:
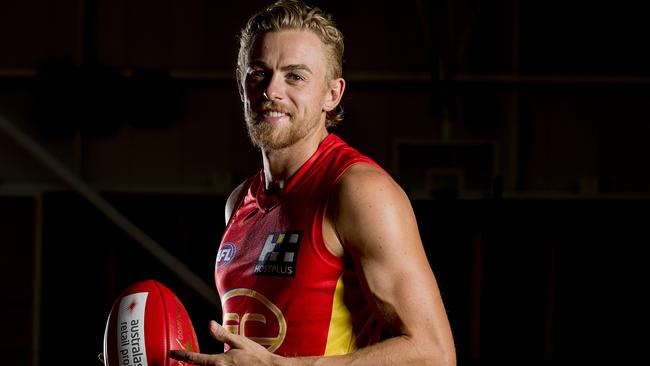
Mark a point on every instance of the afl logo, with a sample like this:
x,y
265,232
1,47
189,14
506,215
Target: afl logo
x,y
248,313
226,253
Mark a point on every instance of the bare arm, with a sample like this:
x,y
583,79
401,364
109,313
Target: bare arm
x,y
372,219
374,222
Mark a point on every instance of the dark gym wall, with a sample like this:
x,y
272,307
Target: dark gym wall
x,y
517,128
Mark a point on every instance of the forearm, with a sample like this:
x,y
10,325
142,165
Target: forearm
x,y
394,351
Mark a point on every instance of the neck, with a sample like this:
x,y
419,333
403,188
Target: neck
x,y
280,165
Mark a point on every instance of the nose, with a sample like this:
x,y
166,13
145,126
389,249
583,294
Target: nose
x,y
273,89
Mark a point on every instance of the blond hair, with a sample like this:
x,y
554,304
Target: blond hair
x,y
294,14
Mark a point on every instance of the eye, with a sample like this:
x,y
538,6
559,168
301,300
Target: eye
x,y
257,74
295,77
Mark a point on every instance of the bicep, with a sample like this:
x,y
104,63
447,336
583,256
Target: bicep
x,y
378,228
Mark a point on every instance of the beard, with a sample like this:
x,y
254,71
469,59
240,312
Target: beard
x,y
271,136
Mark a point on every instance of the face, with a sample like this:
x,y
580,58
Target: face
x,y
285,90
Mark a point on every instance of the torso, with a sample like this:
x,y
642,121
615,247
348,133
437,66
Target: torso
x,y
280,284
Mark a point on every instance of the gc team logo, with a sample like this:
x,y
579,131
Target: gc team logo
x,y
262,322
226,253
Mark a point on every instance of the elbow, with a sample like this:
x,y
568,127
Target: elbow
x,y
440,355
435,353
447,357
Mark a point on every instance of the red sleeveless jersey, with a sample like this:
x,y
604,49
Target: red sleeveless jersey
x,y
279,284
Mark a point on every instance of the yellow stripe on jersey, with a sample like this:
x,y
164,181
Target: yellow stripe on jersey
x,y
340,337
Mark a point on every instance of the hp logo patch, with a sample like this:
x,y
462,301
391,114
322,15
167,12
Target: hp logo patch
x,y
279,255
226,254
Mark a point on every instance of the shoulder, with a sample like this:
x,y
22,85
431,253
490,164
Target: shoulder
x,y
369,207
366,182
232,200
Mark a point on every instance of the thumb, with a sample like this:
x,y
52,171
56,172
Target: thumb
x,y
222,335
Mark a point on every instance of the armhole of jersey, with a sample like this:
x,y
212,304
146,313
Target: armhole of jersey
x,y
320,246
238,202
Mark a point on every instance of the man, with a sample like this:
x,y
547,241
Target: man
x,y
321,261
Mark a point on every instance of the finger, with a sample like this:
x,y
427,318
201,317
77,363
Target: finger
x,y
222,335
100,356
192,357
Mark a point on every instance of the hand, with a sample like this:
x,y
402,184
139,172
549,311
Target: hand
x,y
242,351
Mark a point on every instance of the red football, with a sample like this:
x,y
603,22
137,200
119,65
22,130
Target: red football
x,y
146,321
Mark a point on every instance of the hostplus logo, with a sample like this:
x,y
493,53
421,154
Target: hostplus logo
x,y
279,255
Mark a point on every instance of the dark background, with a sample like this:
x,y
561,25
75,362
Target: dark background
x,y
518,128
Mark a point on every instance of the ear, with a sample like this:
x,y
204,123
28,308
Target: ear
x,y
240,85
334,94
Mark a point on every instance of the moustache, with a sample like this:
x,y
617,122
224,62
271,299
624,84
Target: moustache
x,y
266,106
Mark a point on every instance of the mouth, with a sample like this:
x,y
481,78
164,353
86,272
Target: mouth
x,y
273,115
